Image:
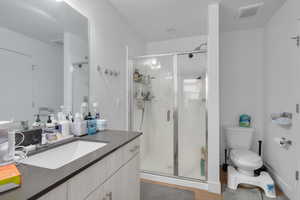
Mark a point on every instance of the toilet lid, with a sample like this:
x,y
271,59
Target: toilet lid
x,y
245,157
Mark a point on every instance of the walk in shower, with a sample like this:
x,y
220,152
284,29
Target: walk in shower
x,y
168,94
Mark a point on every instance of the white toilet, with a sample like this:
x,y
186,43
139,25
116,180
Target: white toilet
x,y
244,161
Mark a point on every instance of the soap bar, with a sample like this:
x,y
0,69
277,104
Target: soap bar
x,y
10,177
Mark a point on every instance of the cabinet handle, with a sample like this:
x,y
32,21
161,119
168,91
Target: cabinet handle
x,y
132,150
136,147
109,195
168,115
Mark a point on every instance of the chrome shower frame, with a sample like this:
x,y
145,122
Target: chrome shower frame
x,y
175,110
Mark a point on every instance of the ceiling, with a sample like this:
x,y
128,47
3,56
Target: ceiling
x,y
164,19
157,20
45,20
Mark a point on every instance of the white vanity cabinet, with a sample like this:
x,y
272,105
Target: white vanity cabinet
x,y
116,177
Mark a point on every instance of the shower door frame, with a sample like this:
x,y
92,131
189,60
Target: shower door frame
x,y
174,56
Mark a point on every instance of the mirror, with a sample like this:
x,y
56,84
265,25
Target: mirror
x,y
44,59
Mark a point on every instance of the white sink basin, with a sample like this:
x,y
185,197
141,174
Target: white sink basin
x,y
62,155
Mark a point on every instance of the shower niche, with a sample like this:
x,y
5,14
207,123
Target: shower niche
x,y
168,104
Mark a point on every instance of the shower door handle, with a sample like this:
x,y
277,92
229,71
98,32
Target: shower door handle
x,y
168,115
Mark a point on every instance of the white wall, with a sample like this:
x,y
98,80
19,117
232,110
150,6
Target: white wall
x,y
47,78
282,92
109,36
260,76
241,76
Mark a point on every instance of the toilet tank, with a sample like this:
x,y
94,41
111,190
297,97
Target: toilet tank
x,y
238,137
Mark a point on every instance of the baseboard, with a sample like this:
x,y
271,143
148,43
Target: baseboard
x,y
175,181
285,187
214,187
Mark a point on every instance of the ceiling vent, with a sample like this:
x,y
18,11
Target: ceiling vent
x,y
250,10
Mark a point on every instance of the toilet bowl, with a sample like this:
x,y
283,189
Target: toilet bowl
x,y
245,161
239,141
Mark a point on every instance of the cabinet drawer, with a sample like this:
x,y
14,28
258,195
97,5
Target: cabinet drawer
x,y
131,149
81,185
115,161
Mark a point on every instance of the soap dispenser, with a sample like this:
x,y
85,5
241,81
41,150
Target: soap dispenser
x,y
37,122
49,122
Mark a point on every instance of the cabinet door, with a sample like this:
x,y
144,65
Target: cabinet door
x,y
130,179
59,192
98,194
81,185
113,187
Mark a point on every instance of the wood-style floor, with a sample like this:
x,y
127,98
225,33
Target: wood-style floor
x,y
203,194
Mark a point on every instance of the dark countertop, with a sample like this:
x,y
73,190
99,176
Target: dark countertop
x,y
37,181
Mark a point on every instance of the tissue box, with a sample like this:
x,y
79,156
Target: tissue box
x,y
10,177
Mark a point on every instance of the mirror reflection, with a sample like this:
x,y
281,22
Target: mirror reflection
x,y
44,59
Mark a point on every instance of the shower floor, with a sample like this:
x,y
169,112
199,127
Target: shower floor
x,y
153,163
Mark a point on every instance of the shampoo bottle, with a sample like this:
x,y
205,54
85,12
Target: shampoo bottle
x,y
202,161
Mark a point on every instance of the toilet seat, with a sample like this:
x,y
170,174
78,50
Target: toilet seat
x,y
245,160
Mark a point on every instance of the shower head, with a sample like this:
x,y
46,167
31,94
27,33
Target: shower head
x,y
198,48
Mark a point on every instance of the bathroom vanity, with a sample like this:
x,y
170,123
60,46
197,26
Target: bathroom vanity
x,y
110,172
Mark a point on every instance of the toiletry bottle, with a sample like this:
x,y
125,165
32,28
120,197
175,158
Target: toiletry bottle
x,y
91,124
103,125
70,120
49,121
44,139
97,118
64,128
79,125
89,116
245,120
37,122
83,109
51,129
202,161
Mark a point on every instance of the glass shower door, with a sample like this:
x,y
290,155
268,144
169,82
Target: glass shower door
x,y
152,105
192,115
